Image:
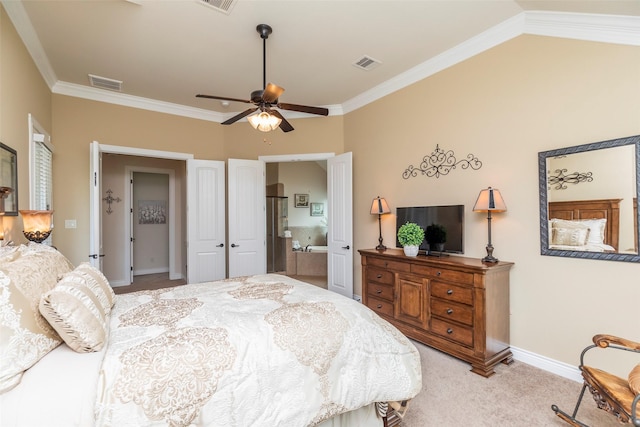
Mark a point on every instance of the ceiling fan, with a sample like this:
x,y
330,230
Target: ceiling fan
x,y
266,99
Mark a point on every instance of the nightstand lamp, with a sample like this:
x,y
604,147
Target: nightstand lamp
x,y
380,207
37,225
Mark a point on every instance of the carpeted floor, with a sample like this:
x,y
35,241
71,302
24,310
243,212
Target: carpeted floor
x,y
517,395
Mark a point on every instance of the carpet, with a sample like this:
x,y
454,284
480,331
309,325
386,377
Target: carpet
x,y
517,395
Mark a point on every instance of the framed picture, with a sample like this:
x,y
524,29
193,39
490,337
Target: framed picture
x,y
301,200
317,209
8,180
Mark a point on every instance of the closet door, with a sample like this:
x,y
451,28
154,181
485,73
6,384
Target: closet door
x,y
206,259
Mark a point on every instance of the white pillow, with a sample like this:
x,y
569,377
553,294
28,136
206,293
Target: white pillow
x,y
570,236
596,228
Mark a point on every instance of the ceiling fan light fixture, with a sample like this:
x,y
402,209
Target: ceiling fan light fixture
x,y
264,121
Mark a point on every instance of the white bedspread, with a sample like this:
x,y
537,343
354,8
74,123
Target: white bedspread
x,y
258,351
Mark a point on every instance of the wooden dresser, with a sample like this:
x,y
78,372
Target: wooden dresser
x,y
455,304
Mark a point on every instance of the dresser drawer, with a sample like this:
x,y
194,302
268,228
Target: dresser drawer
x,y
452,331
452,311
378,290
380,276
451,292
392,265
380,306
451,275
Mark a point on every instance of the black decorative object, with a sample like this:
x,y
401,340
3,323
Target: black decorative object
x,y
441,162
110,199
560,179
380,207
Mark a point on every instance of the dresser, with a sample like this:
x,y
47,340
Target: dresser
x,y
455,304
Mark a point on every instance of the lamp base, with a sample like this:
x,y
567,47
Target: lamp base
x,y
381,247
489,257
36,236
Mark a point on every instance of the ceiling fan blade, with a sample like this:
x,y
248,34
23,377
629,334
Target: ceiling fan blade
x,y
305,109
237,117
284,124
272,93
223,98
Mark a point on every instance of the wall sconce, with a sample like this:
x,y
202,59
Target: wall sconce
x,y
380,207
264,121
37,225
490,200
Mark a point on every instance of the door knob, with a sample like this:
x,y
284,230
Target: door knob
x,y
346,247
233,245
221,245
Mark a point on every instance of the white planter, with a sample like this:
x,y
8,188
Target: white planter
x,y
411,250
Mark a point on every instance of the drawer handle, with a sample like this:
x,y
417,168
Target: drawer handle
x,y
379,306
449,331
449,311
378,291
379,276
438,273
386,264
450,292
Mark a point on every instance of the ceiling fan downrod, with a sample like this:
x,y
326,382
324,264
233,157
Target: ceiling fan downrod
x,y
264,30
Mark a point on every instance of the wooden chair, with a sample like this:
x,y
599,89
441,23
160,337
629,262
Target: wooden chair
x,y
610,392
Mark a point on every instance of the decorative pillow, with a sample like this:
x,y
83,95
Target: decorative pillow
x,y
634,379
25,336
76,312
570,236
596,228
98,283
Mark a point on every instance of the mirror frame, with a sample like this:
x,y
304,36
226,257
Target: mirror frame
x,y
544,213
9,158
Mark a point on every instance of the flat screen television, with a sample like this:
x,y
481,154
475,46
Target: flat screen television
x,y
451,217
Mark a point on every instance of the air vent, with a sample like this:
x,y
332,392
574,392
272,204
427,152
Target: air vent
x,y
223,6
105,83
367,63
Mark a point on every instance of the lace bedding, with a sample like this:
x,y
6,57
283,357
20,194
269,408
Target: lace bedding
x,y
255,351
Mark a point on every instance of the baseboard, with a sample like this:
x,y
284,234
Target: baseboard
x,y
175,276
118,283
546,364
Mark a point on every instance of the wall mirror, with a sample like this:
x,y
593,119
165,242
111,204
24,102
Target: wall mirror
x,y
589,200
8,181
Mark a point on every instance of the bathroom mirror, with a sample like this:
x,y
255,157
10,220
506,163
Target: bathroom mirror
x,y
589,200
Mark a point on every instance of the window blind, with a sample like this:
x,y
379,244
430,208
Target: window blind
x,y
43,185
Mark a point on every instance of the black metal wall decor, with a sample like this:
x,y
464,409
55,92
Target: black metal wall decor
x,y
110,199
560,179
441,162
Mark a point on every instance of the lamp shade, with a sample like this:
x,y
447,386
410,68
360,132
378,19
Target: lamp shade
x,y
379,206
264,121
37,225
490,199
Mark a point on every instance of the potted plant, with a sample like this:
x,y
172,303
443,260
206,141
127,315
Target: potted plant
x,y
410,236
436,236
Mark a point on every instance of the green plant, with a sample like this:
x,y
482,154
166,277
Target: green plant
x,y
410,234
436,233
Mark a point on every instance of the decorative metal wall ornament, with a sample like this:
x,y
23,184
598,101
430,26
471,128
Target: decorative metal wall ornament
x,y
560,180
110,199
441,162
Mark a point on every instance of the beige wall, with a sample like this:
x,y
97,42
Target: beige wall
x,y
504,106
22,91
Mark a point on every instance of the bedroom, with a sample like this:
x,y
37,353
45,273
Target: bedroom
x,y
529,94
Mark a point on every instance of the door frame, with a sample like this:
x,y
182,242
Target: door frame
x,y
174,270
95,228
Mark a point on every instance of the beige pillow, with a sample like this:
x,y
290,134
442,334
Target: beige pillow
x,y
26,336
634,379
569,236
98,283
76,312
596,228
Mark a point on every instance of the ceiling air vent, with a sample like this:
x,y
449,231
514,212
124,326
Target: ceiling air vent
x,y
105,83
367,63
223,6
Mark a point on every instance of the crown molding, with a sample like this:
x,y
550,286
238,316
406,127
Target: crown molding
x,y
590,27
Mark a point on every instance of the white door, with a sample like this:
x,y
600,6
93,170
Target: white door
x,y
95,220
246,216
340,218
206,260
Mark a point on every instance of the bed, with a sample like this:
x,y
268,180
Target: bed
x,y
585,225
263,350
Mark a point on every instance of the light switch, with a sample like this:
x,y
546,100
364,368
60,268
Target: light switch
x,y
69,223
